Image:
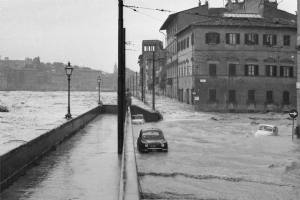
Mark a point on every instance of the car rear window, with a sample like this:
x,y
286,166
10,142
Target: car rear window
x,y
266,128
152,135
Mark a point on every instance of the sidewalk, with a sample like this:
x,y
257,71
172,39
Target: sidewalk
x,y
87,166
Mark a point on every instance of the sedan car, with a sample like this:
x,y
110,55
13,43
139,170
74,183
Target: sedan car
x,y
138,119
151,139
266,130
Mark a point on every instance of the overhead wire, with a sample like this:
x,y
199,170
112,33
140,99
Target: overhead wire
x,y
135,8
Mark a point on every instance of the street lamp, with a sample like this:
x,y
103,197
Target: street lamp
x,y
99,83
69,70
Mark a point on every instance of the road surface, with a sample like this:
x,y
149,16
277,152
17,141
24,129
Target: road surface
x,y
217,156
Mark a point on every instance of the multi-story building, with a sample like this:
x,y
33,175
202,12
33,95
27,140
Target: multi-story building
x,y
152,51
240,58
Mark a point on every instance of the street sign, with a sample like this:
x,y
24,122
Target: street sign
x,y
293,113
196,98
202,80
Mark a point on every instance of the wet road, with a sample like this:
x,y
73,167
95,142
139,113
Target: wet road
x,y
86,166
216,156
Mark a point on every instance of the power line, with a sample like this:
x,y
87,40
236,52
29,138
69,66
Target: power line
x,y
135,10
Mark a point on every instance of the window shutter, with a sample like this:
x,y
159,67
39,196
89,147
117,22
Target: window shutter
x,y
256,70
246,70
227,38
218,38
206,38
256,38
274,70
281,71
264,39
291,72
238,38
268,70
246,38
192,39
274,39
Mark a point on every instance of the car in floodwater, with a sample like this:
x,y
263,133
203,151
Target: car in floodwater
x,y
266,130
138,119
151,139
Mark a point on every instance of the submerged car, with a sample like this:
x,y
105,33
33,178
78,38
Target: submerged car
x,y
151,139
138,119
266,130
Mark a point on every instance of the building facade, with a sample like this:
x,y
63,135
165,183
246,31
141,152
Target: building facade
x,y
233,59
153,54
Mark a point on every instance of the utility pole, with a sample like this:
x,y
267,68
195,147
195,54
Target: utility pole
x,y
121,78
136,84
143,95
297,131
153,79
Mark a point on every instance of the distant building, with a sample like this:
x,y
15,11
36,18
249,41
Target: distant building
x,y
152,50
237,58
31,74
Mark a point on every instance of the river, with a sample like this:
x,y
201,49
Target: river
x,y
34,113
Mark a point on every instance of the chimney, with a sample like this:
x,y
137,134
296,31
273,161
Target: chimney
x,y
199,3
206,3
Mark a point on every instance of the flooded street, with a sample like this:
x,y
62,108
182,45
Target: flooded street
x,y
86,166
217,156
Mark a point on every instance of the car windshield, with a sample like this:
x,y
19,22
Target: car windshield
x,y
152,135
266,128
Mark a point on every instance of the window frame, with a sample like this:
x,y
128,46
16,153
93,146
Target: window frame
x,y
253,40
251,70
271,70
269,39
251,96
212,95
269,96
212,38
286,40
230,65
232,38
212,71
286,98
231,96
287,71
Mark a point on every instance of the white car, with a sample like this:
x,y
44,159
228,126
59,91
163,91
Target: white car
x,y
266,130
138,119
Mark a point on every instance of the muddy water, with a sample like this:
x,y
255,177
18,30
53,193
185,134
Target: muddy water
x,y
34,113
216,156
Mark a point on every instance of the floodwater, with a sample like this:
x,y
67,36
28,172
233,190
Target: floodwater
x,y
216,156
34,113
87,166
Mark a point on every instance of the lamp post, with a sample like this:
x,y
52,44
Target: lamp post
x,y
69,70
99,84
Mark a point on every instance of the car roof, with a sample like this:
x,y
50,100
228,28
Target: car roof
x,y
267,125
138,115
151,129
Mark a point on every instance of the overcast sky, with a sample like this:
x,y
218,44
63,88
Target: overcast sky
x,y
84,32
